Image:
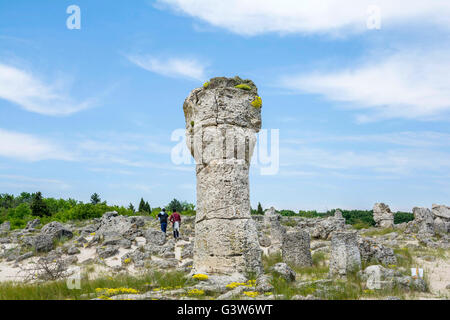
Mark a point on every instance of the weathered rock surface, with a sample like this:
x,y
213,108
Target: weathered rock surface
x,y
383,216
5,226
263,283
296,249
284,271
423,219
107,251
372,251
126,227
221,127
324,228
345,256
441,218
33,224
277,232
40,243
56,230
154,236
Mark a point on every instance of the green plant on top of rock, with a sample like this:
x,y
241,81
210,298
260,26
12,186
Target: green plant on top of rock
x,y
257,103
206,85
243,87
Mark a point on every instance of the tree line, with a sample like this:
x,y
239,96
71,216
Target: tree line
x,y
18,210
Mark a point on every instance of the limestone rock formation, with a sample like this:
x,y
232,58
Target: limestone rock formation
x,y
383,216
345,256
374,251
441,218
221,127
5,226
423,219
296,249
277,231
323,229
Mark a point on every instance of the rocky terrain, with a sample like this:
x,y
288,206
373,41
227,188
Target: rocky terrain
x,y
303,258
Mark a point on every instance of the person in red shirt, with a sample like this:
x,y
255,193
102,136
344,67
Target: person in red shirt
x,y
175,218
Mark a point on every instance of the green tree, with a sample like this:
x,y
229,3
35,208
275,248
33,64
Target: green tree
x,y
38,206
175,205
260,209
147,208
142,205
95,199
131,207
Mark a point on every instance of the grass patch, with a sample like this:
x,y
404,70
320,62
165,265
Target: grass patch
x,y
58,290
404,257
289,223
379,232
271,260
359,224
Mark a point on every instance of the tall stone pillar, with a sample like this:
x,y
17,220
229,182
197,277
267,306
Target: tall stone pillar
x,y
222,120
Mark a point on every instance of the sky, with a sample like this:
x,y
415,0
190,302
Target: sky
x,y
359,91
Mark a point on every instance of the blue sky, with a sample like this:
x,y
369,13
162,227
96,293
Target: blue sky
x,y
363,113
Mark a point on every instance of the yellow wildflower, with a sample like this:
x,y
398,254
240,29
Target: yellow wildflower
x,y
200,277
196,292
251,294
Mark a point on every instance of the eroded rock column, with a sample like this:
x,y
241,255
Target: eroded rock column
x,y
222,120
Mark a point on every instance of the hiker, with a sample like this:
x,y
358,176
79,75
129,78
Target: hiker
x,y
175,218
162,216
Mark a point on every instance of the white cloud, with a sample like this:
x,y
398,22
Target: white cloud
x,y
419,139
411,85
252,17
171,67
9,180
395,162
32,94
30,148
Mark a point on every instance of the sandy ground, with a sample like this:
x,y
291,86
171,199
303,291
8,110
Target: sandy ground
x,y
438,273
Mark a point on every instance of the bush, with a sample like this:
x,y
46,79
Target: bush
x,y
401,217
243,87
359,217
257,103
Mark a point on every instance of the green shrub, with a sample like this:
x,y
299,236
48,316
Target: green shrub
x,y
206,85
401,217
257,103
361,217
243,87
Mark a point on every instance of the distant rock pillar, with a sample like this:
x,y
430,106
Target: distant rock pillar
x,y
383,216
222,119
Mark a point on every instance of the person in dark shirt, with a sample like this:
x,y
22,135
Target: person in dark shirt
x,y
162,216
175,218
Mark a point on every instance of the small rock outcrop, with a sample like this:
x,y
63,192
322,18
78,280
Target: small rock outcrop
x,y
56,230
283,270
441,218
323,229
423,219
383,216
372,251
